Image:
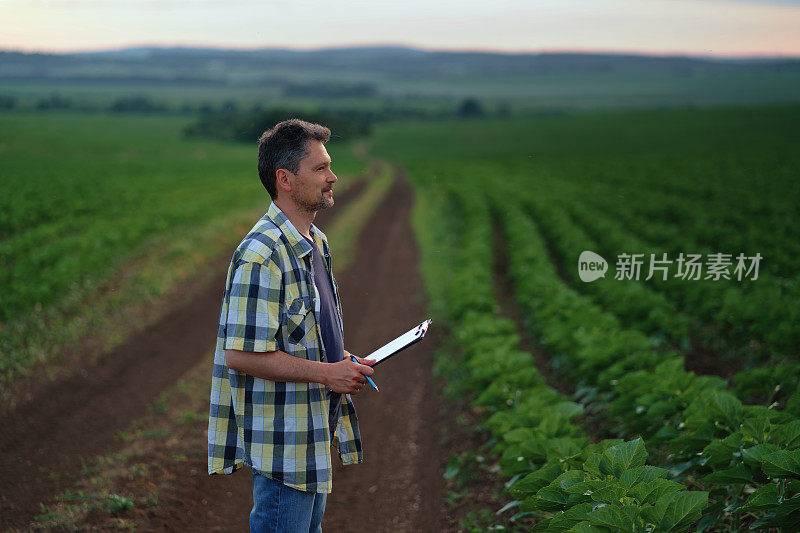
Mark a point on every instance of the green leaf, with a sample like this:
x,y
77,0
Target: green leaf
x,y
518,435
615,517
661,410
665,434
754,455
541,525
765,521
763,497
549,498
787,435
728,407
695,441
788,506
568,410
782,463
652,514
592,465
533,482
575,499
787,523
585,527
734,505
560,450
706,523
720,452
678,511
652,491
737,474
609,492
642,474
617,459
568,479
523,514
579,512
756,429
509,505
678,469
589,487
559,522
554,425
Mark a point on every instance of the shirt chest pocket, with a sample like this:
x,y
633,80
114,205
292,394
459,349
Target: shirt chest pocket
x,y
299,324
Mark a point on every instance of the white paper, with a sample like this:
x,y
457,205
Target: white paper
x,y
392,347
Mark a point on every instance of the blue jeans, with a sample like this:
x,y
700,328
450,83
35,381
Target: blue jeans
x,y
280,508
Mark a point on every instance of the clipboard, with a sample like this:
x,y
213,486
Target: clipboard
x,y
409,338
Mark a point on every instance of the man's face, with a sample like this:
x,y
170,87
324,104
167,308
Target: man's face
x,y
312,186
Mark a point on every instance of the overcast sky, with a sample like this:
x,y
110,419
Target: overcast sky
x,y
716,27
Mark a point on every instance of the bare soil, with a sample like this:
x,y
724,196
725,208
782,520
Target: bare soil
x,y
47,439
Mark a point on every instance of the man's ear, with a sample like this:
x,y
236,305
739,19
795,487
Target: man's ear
x,y
282,179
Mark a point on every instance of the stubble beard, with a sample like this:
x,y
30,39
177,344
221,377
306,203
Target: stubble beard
x,y
310,207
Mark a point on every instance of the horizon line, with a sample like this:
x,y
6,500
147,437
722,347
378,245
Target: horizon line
x,y
539,51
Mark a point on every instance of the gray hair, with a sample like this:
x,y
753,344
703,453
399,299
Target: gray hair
x,y
284,146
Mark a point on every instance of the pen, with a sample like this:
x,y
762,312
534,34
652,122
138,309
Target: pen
x,y
368,378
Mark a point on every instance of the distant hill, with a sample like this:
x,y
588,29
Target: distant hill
x,y
238,66
375,77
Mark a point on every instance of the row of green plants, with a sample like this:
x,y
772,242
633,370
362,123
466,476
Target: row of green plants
x,y
541,447
608,163
691,181
724,176
634,303
749,190
703,435
754,319
639,307
711,205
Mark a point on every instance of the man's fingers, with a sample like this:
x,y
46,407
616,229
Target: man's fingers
x,y
365,369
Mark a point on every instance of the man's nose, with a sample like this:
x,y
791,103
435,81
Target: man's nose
x,y
332,177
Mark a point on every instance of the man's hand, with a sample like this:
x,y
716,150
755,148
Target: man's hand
x,y
346,376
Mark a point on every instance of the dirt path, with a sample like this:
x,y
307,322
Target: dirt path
x,y
400,484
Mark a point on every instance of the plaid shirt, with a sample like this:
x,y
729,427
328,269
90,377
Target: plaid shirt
x,y
280,429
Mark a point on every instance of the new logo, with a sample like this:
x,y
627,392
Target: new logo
x,y
591,266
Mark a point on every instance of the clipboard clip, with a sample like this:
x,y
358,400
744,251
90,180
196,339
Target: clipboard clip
x,y
423,328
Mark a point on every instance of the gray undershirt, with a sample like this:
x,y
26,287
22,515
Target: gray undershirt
x,y
329,326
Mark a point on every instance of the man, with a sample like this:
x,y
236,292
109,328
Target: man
x,y
281,377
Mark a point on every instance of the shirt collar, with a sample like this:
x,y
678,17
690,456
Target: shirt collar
x,y
299,244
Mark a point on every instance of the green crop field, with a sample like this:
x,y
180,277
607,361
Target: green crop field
x,y
83,196
642,442
645,405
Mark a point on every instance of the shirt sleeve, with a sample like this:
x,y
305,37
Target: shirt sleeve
x,y
253,308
